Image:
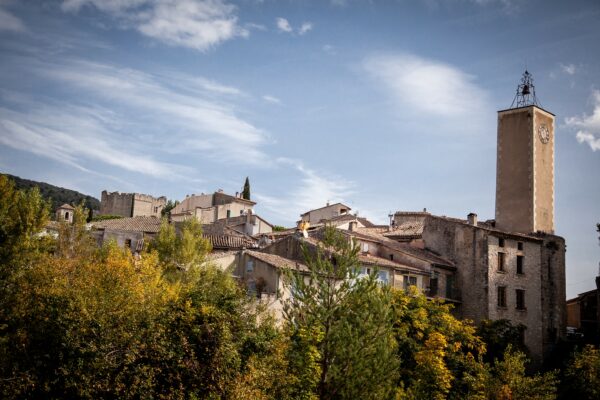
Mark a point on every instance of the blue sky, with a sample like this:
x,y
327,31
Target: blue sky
x,y
384,105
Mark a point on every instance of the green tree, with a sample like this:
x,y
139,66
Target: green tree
x,y
340,326
498,335
246,191
582,375
183,250
23,215
441,355
507,380
166,211
73,238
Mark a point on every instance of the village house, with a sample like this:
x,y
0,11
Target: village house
x,y
64,213
512,267
208,208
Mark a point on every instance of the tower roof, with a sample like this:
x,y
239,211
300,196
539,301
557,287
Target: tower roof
x,y
525,95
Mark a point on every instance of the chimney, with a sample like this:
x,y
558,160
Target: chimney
x,y
472,219
237,195
352,226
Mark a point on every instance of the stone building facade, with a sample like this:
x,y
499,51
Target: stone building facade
x,y
131,204
500,274
208,208
65,213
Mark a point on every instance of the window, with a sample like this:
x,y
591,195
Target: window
x,y
128,243
501,242
155,210
409,281
250,266
433,285
228,213
520,265
449,286
67,216
500,261
392,257
519,245
383,277
520,299
501,296
365,247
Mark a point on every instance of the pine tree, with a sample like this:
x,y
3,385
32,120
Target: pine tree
x,y
340,326
246,191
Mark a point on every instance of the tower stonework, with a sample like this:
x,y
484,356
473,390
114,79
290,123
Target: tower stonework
x,y
525,170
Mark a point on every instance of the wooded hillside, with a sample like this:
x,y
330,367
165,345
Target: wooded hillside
x,y
57,195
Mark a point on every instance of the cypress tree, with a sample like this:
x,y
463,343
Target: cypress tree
x,y
246,191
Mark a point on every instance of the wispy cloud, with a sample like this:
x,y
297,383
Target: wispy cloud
x,y
284,26
588,125
271,99
164,117
9,22
74,136
426,85
312,189
568,69
197,24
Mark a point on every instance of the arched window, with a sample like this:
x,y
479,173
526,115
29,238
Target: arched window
x,y
66,216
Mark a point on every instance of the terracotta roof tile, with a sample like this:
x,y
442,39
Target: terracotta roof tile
x,y
277,261
136,224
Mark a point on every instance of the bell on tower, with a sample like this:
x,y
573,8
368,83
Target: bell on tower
x,y
525,93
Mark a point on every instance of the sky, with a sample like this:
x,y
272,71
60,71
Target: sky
x,y
383,105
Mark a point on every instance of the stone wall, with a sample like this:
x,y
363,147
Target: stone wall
x,y
131,204
116,203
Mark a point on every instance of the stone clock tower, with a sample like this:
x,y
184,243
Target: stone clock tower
x,y
525,164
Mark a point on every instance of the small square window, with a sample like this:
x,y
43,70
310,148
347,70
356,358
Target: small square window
x,y
501,296
128,243
501,242
519,245
520,299
520,265
501,262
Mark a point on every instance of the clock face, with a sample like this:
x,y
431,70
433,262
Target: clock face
x,y
544,133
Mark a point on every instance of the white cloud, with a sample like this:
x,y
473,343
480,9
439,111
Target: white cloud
x,y
588,125
8,22
197,24
313,190
283,25
305,27
427,86
164,117
271,99
72,135
568,69
203,118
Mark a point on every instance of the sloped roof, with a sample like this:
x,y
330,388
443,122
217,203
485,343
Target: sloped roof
x,y
408,229
277,261
327,206
66,207
224,237
424,254
136,224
